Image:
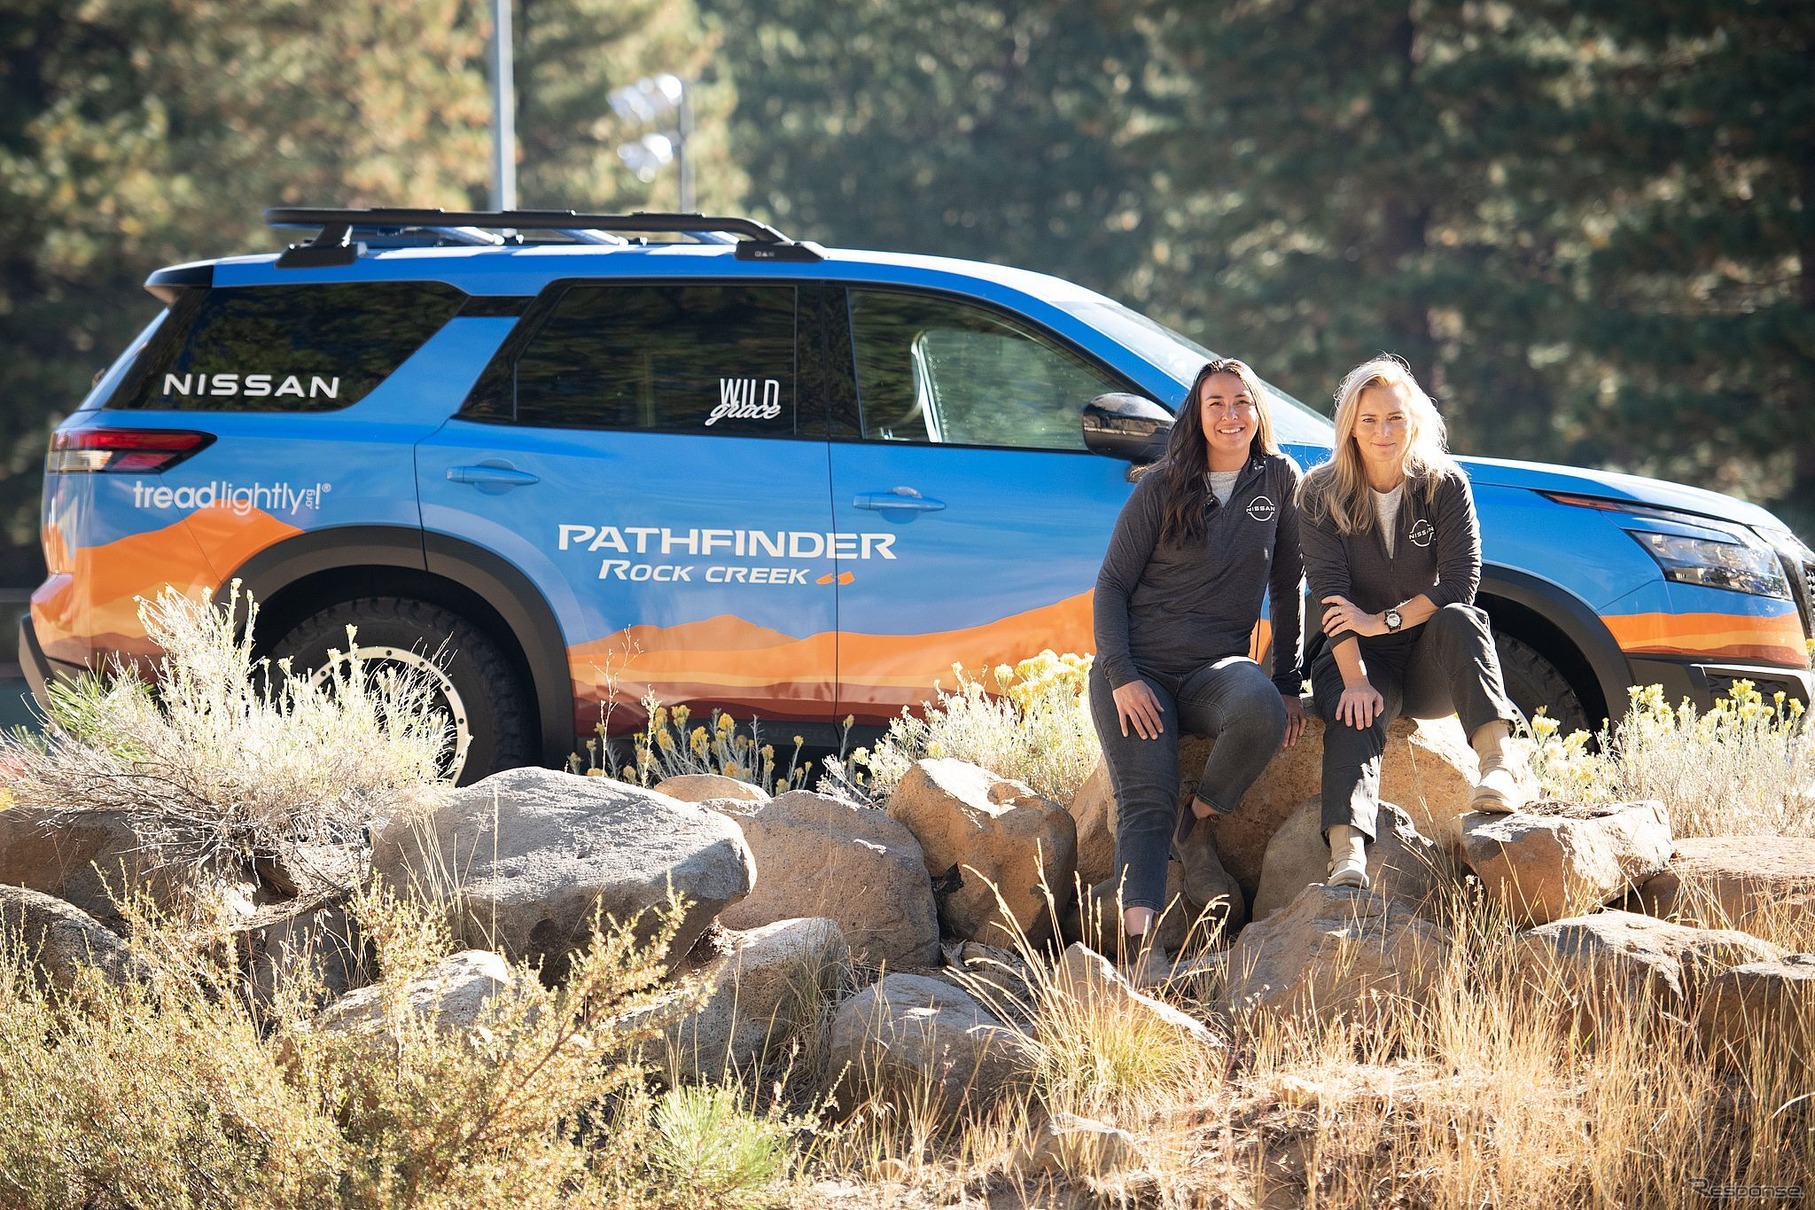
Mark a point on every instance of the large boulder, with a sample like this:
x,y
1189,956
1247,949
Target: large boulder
x,y
1002,852
1403,865
825,856
89,859
1334,952
1092,810
60,940
704,787
1614,960
1761,1004
1546,867
917,1040
764,986
526,858
1427,768
453,996
1734,881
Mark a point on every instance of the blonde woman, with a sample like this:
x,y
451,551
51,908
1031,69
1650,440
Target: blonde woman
x,y
1392,551
1209,529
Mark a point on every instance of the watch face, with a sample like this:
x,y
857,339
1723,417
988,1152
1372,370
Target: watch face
x,y
1393,619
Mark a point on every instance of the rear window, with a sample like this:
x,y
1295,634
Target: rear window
x,y
285,348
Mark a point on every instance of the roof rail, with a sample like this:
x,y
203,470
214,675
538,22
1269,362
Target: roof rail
x,y
334,243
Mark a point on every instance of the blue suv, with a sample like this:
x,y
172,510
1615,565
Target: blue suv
x,y
570,461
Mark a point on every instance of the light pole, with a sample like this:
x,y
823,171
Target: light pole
x,y
651,101
504,111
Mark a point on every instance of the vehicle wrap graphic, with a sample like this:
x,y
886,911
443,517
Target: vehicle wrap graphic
x,y
1714,636
90,602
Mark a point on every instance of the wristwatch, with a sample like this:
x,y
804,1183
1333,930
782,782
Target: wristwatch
x,y
1393,619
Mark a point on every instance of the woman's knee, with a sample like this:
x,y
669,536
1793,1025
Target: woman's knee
x,y
1465,625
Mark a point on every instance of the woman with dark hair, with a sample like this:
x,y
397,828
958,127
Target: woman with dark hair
x,y
1209,529
1393,552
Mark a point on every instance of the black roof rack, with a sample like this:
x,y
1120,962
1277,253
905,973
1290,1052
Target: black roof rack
x,y
334,243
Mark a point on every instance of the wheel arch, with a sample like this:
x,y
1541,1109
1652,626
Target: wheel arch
x,y
1562,628
309,572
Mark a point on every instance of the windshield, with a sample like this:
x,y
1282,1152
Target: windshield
x,y
1181,358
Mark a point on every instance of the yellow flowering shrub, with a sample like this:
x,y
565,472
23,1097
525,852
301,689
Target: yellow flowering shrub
x,y
1028,721
1744,766
666,747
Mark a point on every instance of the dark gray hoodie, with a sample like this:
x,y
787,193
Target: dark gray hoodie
x,y
1172,610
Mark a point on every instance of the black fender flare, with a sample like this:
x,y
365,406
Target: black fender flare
x,y
507,592
1573,618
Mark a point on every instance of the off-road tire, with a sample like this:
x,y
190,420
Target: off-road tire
x,y
484,690
1532,681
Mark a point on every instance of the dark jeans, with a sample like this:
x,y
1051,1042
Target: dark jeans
x,y
1231,700
1446,666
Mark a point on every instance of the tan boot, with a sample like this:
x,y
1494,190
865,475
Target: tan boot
x,y
1348,858
1504,784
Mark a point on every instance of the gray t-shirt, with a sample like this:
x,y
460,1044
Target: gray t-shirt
x,y
1386,507
1222,484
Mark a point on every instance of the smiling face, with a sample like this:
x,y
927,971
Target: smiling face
x,y
1231,419
1383,433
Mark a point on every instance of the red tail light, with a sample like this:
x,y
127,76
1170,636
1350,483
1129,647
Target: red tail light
x,y
123,451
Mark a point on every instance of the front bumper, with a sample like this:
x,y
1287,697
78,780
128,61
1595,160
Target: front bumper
x,y
1701,682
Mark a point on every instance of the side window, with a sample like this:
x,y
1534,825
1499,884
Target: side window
x,y
933,369
286,348
666,358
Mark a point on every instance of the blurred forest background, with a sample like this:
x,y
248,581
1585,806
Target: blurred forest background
x,y
1587,224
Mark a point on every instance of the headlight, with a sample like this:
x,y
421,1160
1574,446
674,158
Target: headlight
x,y
1715,564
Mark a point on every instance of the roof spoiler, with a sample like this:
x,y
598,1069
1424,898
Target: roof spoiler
x,y
335,243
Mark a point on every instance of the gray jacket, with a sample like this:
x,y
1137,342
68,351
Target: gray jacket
x,y
1172,610
1436,551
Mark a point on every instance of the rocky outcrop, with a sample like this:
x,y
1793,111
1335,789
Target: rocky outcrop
x,y
1090,980
824,856
1403,865
1077,1147
920,1040
1546,867
88,859
998,853
1760,1002
526,859
1334,952
1093,813
314,949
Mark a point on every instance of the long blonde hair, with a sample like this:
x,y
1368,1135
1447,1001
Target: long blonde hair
x,y
1339,489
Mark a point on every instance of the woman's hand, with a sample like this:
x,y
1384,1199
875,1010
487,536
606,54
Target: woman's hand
x,y
1361,704
1342,614
1295,719
1135,703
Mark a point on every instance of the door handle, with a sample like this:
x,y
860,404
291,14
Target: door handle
x,y
492,475
903,499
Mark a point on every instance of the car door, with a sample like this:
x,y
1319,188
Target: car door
x,y
643,453
963,443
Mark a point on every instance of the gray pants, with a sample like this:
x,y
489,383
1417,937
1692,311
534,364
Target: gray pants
x,y
1231,700
1446,666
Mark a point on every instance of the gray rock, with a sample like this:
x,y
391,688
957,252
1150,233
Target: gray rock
x,y
319,945
766,985
524,858
60,940
1334,952
1761,1003
85,858
1077,1147
1091,980
914,1040
454,996
1403,866
1546,867
824,856
1734,881
1005,852
1615,959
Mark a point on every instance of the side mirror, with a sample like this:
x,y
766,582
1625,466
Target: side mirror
x,y
1130,427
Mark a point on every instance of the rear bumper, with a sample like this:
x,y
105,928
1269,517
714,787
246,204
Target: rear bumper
x,y
39,669
1702,682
